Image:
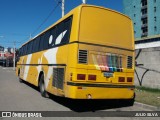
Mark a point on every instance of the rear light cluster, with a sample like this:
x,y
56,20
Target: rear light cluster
x,y
91,77
122,79
94,77
129,79
83,77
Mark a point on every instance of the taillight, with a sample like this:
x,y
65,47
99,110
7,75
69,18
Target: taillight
x,y
129,79
121,79
91,77
81,76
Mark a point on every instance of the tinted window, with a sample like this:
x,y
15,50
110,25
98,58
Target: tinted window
x,y
46,40
52,37
67,26
22,51
34,45
19,54
30,45
25,49
37,43
63,31
41,43
60,33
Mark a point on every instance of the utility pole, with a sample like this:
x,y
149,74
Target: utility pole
x,y
84,1
14,59
63,7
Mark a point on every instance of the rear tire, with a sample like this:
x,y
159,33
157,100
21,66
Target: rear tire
x,y
20,80
42,87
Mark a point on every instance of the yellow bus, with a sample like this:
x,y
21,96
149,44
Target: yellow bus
x,y
87,54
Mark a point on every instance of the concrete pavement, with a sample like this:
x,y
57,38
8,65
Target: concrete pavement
x,y
16,96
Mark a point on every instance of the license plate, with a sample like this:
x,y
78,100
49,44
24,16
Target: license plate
x,y
108,74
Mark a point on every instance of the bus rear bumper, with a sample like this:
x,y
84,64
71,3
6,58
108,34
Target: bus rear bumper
x,y
99,91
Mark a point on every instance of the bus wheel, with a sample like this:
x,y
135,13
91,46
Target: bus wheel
x,y
42,87
20,80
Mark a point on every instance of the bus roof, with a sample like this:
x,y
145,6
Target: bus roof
x,y
72,12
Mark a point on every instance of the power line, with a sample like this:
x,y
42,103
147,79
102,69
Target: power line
x,y
62,6
46,18
12,34
58,1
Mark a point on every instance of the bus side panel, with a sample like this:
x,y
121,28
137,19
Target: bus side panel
x,y
61,59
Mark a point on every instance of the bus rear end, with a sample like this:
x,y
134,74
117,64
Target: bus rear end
x,y
105,56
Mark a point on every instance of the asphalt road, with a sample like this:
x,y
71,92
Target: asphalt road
x,y
16,96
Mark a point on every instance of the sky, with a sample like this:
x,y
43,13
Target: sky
x,y
21,18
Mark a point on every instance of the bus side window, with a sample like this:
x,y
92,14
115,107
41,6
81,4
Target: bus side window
x,y
52,37
22,51
67,26
46,39
63,31
30,45
25,49
37,42
41,43
19,54
35,45
59,33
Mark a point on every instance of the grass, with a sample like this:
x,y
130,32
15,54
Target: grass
x,y
148,96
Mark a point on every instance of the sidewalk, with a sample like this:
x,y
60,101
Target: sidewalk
x,y
150,107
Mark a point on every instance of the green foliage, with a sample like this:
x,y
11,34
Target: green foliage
x,y
148,96
148,89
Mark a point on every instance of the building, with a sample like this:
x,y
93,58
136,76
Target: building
x,y
145,16
6,56
8,49
146,19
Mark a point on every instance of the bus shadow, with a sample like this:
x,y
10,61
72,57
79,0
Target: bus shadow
x,y
30,85
78,105
88,105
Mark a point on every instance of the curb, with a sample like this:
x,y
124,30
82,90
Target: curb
x,y
150,107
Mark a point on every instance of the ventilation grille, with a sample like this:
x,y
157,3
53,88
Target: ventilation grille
x,y
129,62
58,78
82,56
